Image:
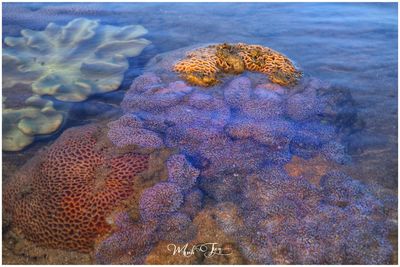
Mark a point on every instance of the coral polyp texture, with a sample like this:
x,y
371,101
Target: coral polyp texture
x,y
68,63
247,163
61,198
204,66
127,130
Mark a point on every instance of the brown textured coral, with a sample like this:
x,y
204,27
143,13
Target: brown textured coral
x,y
61,198
204,66
200,67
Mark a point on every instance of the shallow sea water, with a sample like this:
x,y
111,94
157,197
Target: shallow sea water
x,y
350,45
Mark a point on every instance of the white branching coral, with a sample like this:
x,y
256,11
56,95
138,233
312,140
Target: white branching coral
x,y
69,63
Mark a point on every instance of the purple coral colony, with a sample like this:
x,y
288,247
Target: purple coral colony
x,y
230,150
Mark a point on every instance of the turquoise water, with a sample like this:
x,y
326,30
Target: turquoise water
x,y
350,45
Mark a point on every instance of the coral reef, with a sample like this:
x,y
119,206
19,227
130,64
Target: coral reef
x,y
61,197
204,66
68,63
148,94
264,153
248,164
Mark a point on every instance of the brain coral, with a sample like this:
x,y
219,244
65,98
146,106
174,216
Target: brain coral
x,y
69,63
62,197
204,66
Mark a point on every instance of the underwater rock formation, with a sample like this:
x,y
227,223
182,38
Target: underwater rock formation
x,y
204,66
254,170
68,63
61,197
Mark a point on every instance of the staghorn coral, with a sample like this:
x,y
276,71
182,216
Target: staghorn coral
x,y
69,63
204,66
61,198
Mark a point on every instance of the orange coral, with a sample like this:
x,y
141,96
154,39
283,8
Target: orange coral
x,y
204,66
199,67
61,198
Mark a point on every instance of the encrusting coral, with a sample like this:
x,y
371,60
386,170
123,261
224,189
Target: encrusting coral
x,y
205,66
68,63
